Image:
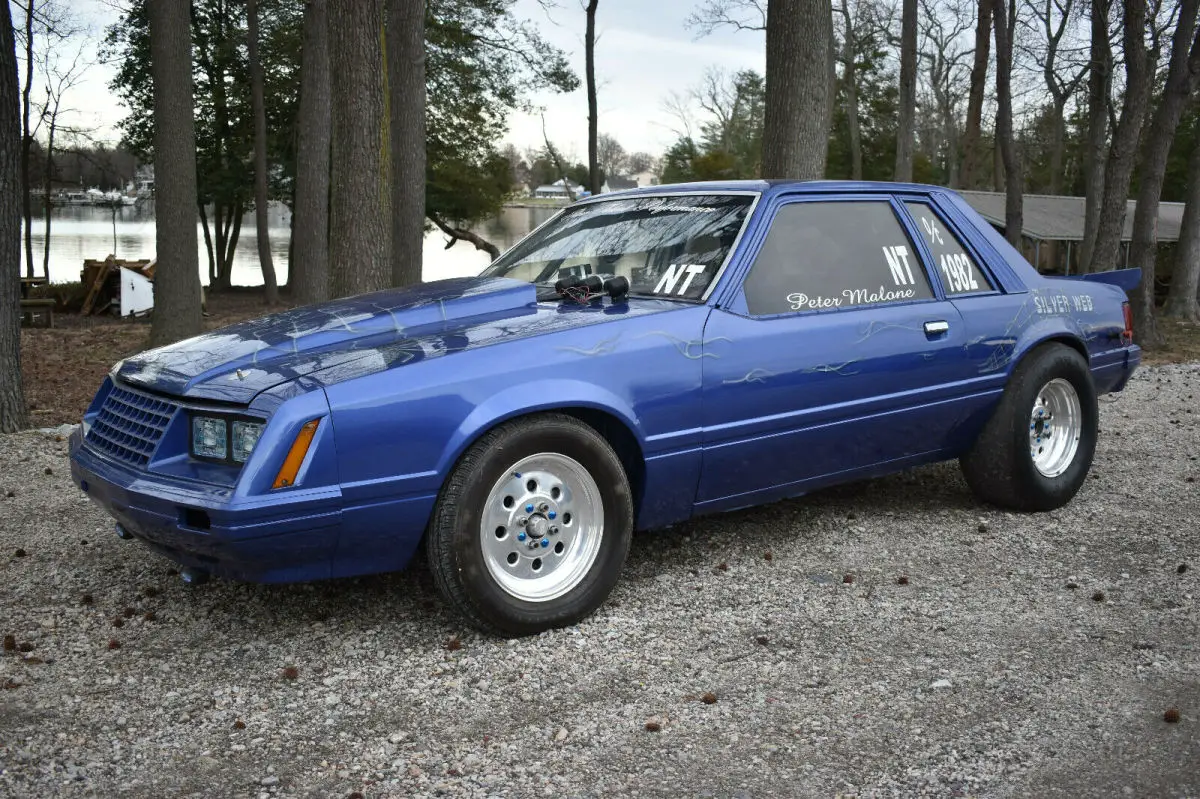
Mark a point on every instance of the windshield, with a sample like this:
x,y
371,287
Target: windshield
x,y
666,246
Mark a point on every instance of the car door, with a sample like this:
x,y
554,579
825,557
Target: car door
x,y
837,355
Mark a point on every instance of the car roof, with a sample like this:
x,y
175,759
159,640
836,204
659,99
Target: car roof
x,y
775,187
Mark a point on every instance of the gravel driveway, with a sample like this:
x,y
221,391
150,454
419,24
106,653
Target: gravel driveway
x,y
887,638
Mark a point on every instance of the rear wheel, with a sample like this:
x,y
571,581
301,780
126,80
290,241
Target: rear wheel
x,y
1037,448
532,527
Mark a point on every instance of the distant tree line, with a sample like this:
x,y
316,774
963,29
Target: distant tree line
x,y
83,166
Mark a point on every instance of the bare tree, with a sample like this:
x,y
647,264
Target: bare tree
x,y
1014,222
360,197
1183,78
743,15
849,58
611,155
309,267
796,127
973,155
177,278
60,79
258,109
1062,72
406,78
941,28
907,101
589,49
1099,94
1185,280
13,414
1139,77
27,139
52,24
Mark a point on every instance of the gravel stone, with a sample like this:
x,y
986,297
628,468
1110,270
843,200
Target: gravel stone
x,y
1053,694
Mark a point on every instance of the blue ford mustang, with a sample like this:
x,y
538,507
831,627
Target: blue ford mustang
x,y
639,359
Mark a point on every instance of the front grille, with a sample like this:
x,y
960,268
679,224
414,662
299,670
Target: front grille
x,y
130,425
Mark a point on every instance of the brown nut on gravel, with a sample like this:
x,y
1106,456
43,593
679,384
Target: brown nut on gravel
x,y
847,579
10,643
290,672
902,580
709,698
653,726
1098,596
1171,716
113,643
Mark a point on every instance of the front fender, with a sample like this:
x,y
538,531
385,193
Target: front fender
x,y
552,394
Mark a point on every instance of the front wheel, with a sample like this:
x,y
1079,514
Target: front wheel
x,y
1037,448
532,527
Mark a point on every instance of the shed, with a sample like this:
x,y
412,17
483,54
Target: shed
x,y
1058,219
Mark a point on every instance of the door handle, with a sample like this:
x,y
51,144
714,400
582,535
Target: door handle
x,y
936,328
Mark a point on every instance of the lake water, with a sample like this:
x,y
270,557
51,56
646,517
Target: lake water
x,y
82,232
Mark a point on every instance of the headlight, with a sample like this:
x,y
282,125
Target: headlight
x,y
245,436
209,439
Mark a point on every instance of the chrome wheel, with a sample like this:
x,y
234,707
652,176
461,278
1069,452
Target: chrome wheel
x,y
1055,426
542,526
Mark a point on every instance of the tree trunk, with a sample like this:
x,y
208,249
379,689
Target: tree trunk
x,y
12,396
908,91
973,154
208,245
361,196
1057,136
406,76
51,129
308,270
221,227
796,123
849,63
1185,281
177,278
1014,222
589,51
259,110
27,140
1183,75
1139,75
950,128
1099,92
233,229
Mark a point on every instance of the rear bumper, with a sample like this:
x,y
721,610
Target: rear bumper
x,y
290,539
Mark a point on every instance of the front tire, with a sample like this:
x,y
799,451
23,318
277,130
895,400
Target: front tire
x,y
532,526
1037,448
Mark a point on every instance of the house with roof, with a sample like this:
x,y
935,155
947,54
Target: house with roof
x,y
561,189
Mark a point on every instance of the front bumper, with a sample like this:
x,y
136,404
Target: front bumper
x,y
287,538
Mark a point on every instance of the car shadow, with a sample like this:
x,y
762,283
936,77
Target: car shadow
x,y
409,601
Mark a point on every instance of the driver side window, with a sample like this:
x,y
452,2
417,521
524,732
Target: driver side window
x,y
825,256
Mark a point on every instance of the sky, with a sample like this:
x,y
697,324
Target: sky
x,y
644,52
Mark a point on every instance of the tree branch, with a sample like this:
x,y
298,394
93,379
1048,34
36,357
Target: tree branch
x,y
457,234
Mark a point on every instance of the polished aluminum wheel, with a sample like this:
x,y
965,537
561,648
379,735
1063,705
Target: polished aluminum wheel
x,y
1055,427
542,526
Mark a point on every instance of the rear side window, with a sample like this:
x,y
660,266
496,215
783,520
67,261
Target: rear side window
x,y
829,255
960,273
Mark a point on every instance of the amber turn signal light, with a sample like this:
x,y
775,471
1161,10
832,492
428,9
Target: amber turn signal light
x,y
295,457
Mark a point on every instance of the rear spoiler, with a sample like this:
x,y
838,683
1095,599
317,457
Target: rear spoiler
x,y
1127,279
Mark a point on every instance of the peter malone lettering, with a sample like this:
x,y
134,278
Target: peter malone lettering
x,y
859,296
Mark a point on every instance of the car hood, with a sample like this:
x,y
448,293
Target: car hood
x,y
338,340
